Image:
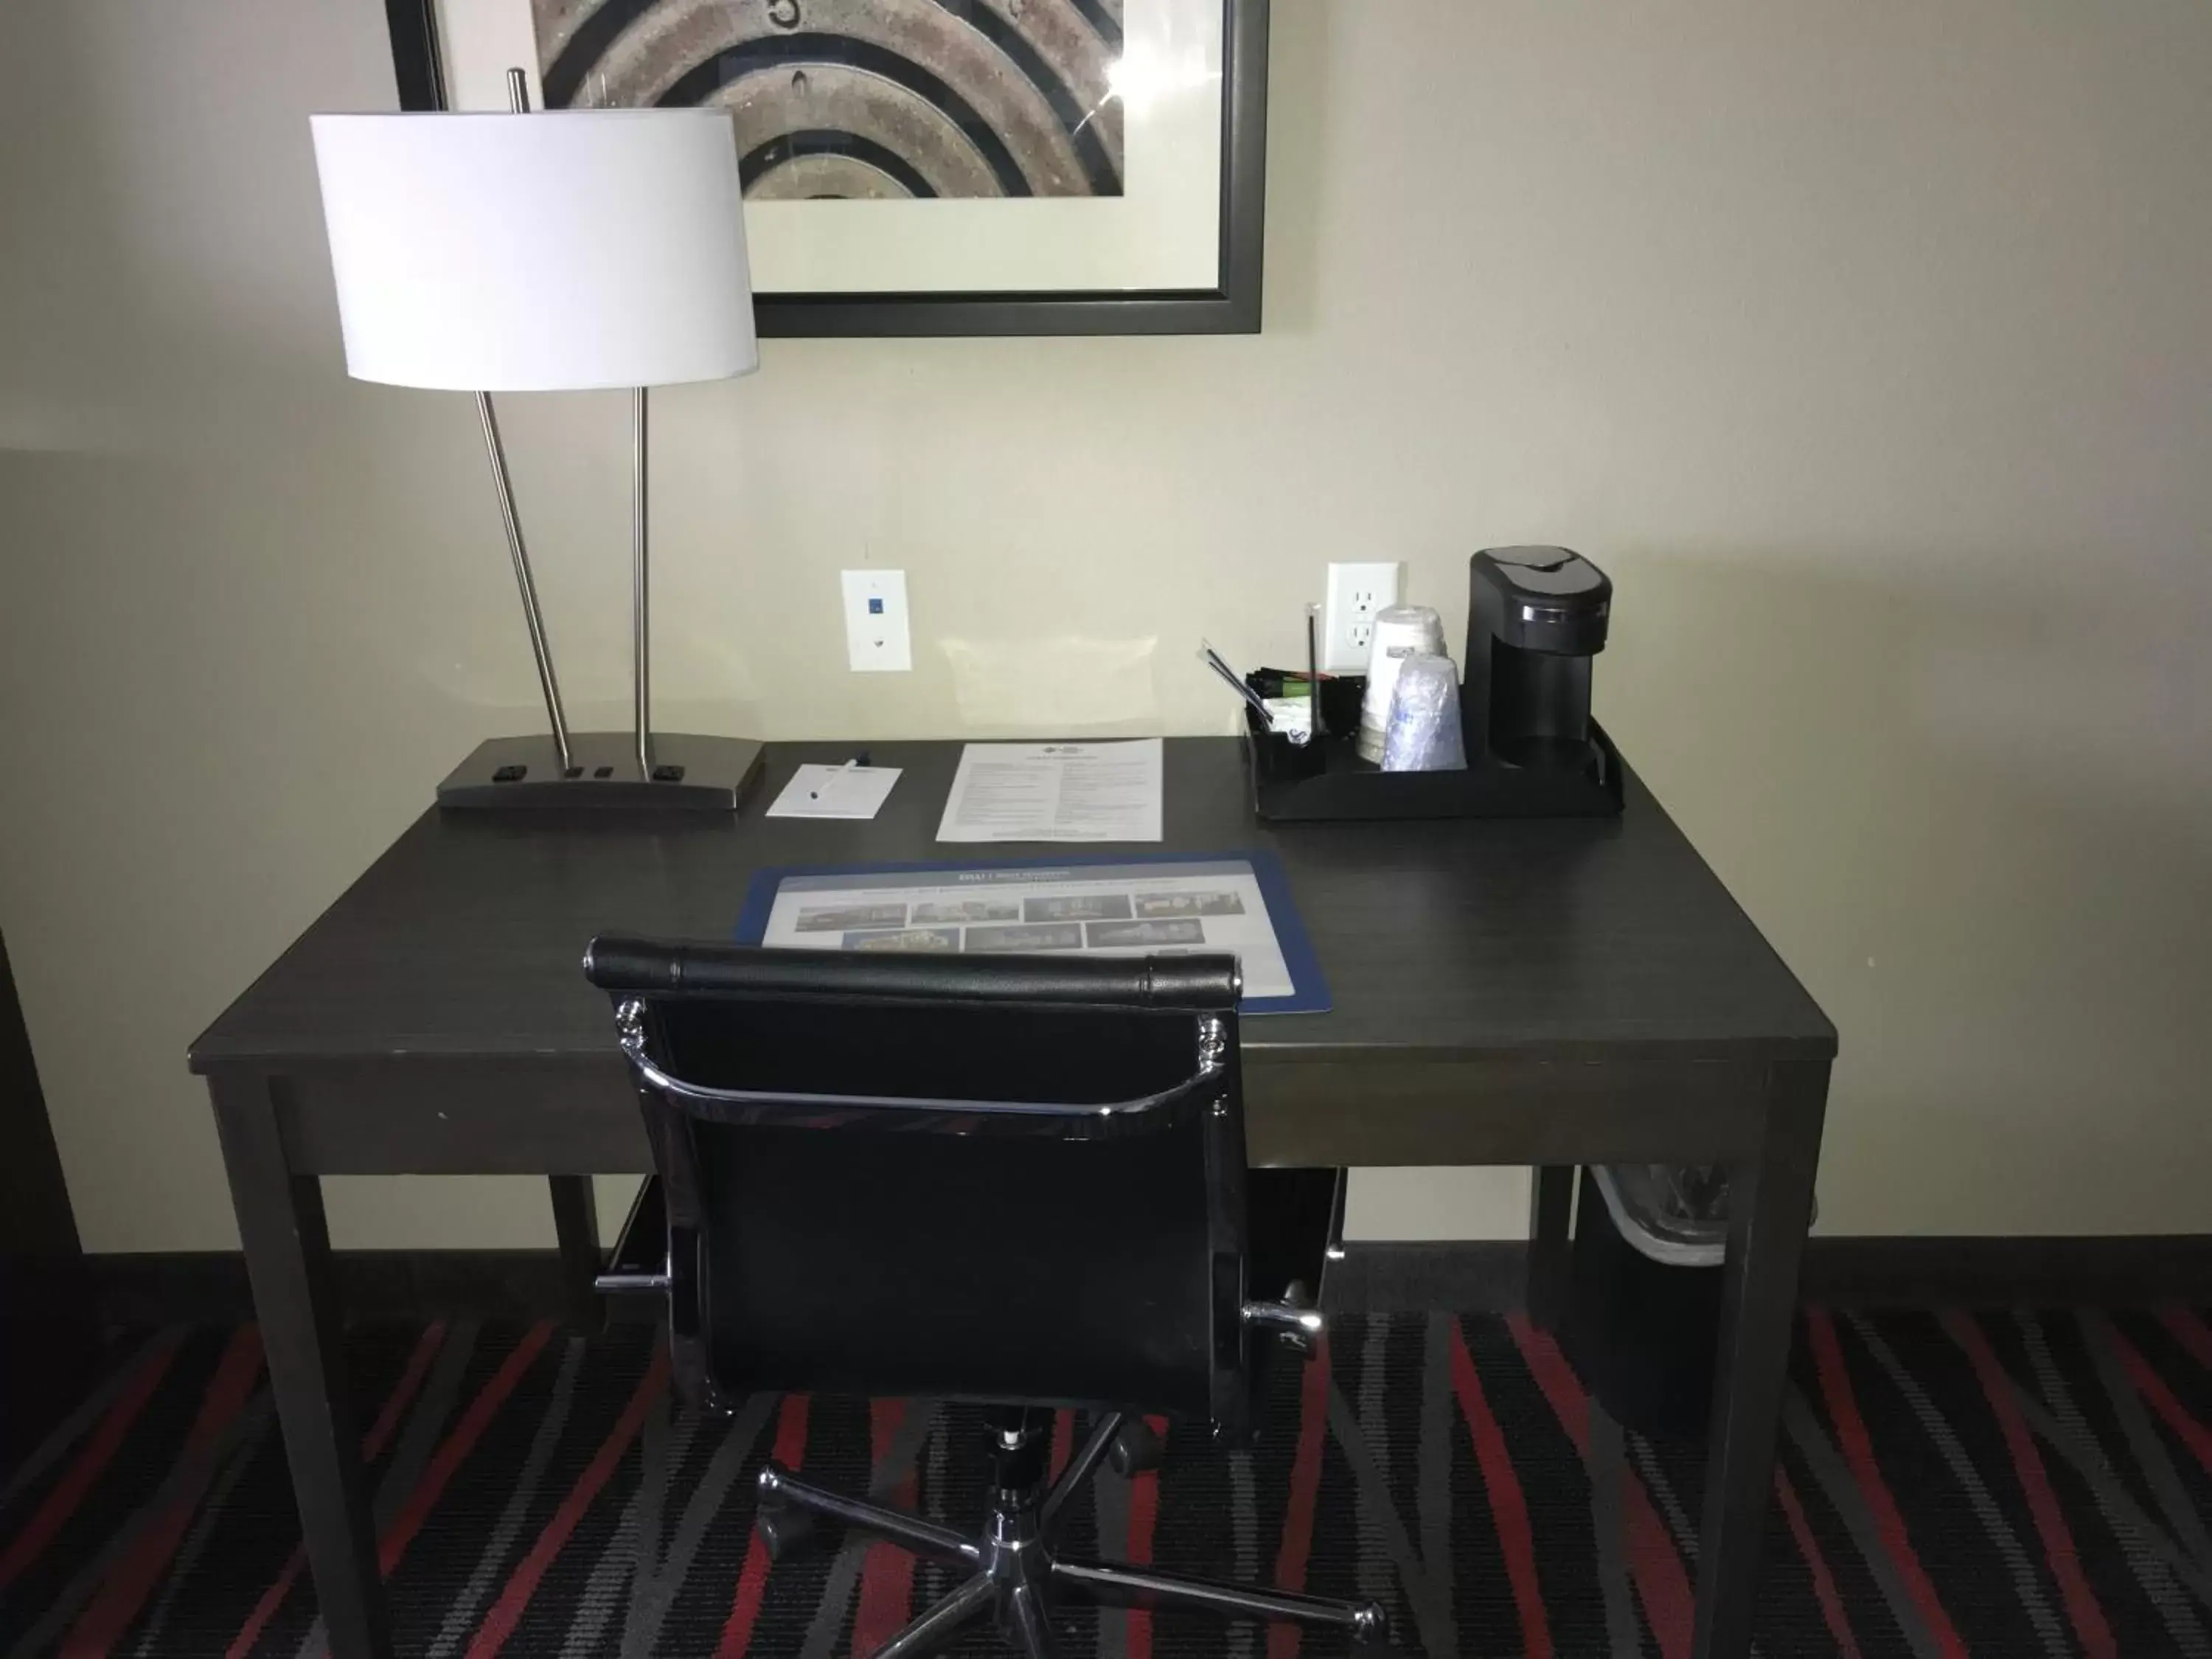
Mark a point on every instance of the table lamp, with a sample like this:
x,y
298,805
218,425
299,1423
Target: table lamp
x,y
557,251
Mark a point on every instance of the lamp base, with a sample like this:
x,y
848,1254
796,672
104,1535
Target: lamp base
x,y
689,773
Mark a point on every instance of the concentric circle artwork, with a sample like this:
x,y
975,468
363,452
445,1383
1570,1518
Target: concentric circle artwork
x,y
864,99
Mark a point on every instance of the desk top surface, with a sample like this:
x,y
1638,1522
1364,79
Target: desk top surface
x,y
1573,940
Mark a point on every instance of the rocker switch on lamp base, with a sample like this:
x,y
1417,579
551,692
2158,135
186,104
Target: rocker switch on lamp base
x,y
875,637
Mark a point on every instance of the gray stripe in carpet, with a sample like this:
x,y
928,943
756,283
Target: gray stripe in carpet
x,y
655,1455
906,1445
188,1475
1647,1464
1433,1495
654,1564
1609,1531
1110,1493
426,1422
203,1528
904,1451
656,1593
2156,1538
426,1425
2026,1584
607,1590
65,1435
461,1617
932,1580
1373,1506
2159,1587
2144,1441
1429,1600
1843,1492
653,1460
1244,1545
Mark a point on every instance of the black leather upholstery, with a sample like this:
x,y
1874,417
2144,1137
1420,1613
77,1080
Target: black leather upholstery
x,y
1076,1259
614,962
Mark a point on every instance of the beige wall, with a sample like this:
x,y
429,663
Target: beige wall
x,y
1868,345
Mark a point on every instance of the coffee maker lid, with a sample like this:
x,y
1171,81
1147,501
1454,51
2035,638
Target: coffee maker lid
x,y
1553,570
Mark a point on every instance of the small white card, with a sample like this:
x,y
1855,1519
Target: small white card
x,y
835,792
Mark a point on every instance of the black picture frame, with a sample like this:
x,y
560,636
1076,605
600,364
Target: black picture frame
x,y
1232,306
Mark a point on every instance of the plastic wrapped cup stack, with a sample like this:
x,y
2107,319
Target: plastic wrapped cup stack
x,y
1400,631
1424,733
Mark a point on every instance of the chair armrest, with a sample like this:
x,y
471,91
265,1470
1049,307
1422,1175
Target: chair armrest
x,y
639,1261
1296,1326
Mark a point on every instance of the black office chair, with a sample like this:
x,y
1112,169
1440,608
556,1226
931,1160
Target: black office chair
x,y
1013,1180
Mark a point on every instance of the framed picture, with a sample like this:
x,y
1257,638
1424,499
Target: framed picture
x,y
928,166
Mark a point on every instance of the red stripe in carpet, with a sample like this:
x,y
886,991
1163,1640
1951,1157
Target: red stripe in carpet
x,y
1662,1582
1858,1451
99,1451
2188,1331
403,1392
886,1571
449,1456
2081,1605
265,1608
1063,1444
790,1451
1305,1487
1144,1520
506,1612
372,1448
1509,1508
2162,1400
133,1577
1823,1582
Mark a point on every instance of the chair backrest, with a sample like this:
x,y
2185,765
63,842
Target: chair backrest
x,y
1017,1179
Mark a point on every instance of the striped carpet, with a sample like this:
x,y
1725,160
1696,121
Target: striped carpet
x,y
1949,1484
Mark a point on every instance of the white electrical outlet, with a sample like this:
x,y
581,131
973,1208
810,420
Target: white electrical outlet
x,y
875,637
1356,593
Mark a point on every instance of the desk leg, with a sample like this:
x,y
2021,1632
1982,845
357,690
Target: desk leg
x,y
1770,1207
1550,1203
287,1258
576,1224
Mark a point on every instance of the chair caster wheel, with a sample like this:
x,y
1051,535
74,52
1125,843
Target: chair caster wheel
x,y
784,1530
784,1527
1136,1448
1370,1632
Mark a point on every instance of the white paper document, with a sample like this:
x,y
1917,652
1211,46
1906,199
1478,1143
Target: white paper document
x,y
1055,791
835,792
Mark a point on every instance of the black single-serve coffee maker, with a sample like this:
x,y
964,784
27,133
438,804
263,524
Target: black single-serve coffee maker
x,y
1536,618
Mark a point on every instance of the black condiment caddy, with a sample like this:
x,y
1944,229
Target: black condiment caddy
x,y
1536,616
1325,778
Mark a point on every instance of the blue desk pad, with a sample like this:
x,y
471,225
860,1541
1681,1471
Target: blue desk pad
x,y
1095,904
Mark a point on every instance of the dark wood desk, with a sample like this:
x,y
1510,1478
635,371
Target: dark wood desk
x,y
1549,993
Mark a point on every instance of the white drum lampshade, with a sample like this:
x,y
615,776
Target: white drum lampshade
x,y
557,251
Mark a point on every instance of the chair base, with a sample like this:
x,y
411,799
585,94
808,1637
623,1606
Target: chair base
x,y
1017,1577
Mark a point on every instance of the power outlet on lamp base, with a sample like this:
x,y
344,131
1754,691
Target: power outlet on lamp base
x,y
1356,593
875,637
